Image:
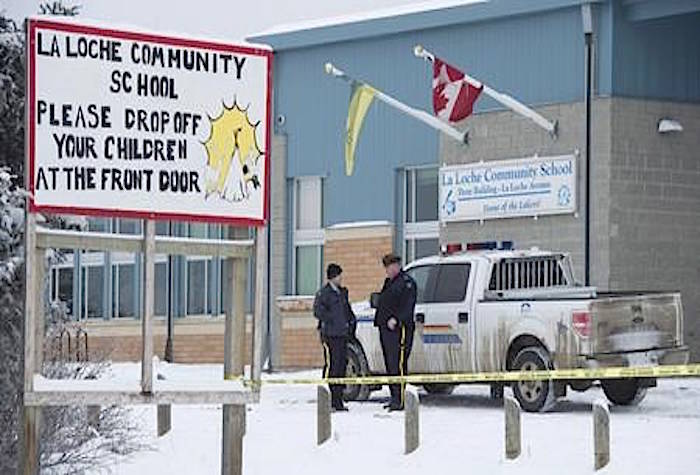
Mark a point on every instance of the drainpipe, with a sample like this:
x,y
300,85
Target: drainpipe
x,y
587,19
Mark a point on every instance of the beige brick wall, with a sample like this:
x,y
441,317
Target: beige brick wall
x,y
301,347
359,251
196,340
202,340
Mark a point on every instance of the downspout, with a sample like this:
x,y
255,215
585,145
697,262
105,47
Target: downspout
x,y
587,19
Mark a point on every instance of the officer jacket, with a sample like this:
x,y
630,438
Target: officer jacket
x,y
397,300
333,311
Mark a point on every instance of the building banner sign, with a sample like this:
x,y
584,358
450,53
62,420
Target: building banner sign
x,y
506,189
123,123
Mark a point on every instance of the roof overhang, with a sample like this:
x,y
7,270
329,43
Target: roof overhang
x,y
356,27
642,10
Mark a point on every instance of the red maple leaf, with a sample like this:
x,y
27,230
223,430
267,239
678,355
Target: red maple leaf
x,y
439,98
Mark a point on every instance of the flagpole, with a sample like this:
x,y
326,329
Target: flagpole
x,y
428,119
505,99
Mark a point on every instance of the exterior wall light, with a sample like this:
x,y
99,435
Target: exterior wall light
x,y
669,125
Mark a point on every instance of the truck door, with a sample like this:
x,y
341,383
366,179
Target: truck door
x,y
447,329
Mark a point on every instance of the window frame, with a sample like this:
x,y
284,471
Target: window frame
x,y
429,291
306,237
415,230
442,266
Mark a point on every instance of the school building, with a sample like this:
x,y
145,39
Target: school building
x,y
621,76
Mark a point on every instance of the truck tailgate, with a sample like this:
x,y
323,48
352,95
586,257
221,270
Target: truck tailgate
x,y
624,322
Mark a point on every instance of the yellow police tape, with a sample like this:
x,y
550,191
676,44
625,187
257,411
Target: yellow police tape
x,y
667,371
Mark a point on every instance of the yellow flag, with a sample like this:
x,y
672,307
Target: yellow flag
x,y
360,100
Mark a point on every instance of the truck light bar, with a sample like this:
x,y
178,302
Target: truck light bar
x,y
490,246
453,248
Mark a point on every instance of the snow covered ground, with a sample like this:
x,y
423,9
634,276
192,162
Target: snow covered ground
x,y
462,433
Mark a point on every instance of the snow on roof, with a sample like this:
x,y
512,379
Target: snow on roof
x,y
357,17
360,224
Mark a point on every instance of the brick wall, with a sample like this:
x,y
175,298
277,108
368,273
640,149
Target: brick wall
x,y
359,251
301,347
196,340
655,204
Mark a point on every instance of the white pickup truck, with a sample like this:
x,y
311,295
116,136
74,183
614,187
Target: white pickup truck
x,y
497,310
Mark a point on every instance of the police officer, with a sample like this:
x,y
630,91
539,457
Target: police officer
x,y
394,317
336,323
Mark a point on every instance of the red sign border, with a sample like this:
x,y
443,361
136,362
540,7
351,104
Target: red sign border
x,y
35,24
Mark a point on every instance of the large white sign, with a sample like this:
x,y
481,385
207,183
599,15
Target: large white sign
x,y
510,188
123,123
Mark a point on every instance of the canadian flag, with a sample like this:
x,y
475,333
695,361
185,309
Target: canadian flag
x,y
453,96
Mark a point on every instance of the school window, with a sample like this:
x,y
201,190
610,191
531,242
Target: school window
x,y
124,301
110,284
420,211
94,293
308,235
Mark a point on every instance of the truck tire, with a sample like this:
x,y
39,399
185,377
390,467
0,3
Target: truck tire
x,y
624,392
441,389
357,367
533,396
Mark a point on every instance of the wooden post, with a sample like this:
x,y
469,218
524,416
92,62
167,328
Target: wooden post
x,y
32,436
149,270
31,428
164,419
513,433
234,363
233,432
411,421
30,302
323,414
601,434
164,415
235,324
39,324
259,312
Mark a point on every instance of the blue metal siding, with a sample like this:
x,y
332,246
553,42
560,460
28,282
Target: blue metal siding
x,y
657,59
537,58
603,53
408,22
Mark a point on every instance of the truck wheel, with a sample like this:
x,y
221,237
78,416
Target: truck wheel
x,y
357,367
533,396
439,388
624,392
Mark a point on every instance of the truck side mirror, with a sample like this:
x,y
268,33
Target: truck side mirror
x,y
374,300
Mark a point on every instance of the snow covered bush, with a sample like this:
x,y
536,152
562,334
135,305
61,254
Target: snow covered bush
x,y
11,318
73,439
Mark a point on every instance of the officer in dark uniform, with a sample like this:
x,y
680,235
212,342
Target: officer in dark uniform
x,y
336,323
394,317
